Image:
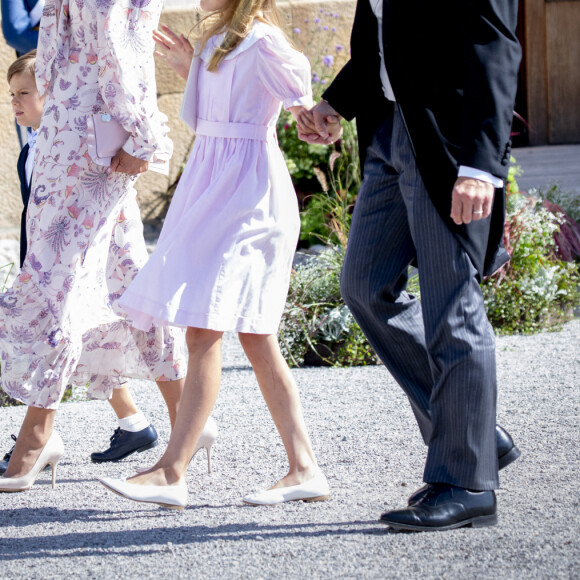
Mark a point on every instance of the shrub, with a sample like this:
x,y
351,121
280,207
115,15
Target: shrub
x,y
317,327
536,290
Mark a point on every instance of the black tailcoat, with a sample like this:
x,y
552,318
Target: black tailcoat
x,y
453,68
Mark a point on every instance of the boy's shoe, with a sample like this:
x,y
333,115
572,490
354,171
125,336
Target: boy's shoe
x,y
125,443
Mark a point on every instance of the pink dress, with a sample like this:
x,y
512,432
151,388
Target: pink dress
x,y
224,256
61,321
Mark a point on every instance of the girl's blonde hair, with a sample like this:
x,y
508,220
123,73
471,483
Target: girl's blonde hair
x,y
235,20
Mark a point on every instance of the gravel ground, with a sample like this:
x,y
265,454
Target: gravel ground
x,y
369,447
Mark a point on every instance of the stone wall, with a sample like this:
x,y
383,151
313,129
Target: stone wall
x,y
310,36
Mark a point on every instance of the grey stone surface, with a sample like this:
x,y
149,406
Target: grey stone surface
x,y
367,443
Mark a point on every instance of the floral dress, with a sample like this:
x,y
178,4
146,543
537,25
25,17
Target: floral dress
x,y
60,322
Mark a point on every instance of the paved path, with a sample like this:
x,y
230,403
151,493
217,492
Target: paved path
x,y
549,164
368,445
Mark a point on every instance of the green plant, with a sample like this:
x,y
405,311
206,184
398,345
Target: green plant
x,y
536,290
333,168
317,327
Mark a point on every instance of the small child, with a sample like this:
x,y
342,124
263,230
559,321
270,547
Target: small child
x,y
224,256
27,105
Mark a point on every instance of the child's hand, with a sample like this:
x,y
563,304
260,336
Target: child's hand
x,y
319,126
178,51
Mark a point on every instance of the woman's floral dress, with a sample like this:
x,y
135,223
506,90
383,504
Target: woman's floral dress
x,y
60,322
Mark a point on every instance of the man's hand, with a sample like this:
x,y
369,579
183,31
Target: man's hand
x,y
125,163
472,200
177,50
320,125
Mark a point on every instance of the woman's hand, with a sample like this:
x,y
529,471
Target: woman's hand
x,y
125,163
177,50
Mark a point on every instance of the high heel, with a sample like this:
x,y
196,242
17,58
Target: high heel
x,y
50,455
206,440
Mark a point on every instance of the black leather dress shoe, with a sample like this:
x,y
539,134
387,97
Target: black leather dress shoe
x,y
507,453
4,463
445,507
124,443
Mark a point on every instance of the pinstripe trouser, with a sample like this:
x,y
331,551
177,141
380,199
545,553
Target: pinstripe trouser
x,y
441,350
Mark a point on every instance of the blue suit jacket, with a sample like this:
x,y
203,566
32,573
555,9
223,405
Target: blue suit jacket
x,y
20,33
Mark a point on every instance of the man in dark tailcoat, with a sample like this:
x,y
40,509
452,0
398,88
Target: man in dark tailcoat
x,y
432,86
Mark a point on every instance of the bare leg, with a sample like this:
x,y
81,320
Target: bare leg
x,y
123,403
34,433
199,395
171,392
124,406
283,399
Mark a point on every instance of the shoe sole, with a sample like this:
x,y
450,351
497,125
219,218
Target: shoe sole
x,y
140,450
163,505
478,522
508,457
304,499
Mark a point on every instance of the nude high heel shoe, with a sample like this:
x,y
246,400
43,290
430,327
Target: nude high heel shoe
x,y
205,441
50,455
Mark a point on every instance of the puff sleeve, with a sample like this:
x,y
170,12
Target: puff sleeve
x,y
127,75
284,72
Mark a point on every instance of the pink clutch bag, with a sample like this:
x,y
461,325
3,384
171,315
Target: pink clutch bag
x,y
105,137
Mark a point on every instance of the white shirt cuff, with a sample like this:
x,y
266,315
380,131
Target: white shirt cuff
x,y
481,175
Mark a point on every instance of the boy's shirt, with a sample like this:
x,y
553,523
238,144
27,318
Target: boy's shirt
x,y
29,166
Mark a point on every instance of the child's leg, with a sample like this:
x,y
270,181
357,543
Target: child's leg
x,y
199,395
281,395
122,403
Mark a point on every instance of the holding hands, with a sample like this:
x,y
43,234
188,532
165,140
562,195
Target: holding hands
x,y
319,125
177,50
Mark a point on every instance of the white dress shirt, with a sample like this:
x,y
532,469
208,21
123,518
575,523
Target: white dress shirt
x,y
464,171
29,165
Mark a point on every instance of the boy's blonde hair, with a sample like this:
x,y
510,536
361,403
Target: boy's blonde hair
x,y
24,63
235,20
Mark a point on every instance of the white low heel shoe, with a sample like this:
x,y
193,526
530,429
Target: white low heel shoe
x,y
315,489
205,441
50,455
173,497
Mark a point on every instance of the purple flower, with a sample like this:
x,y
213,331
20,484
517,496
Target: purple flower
x,y
297,31
323,82
316,20
334,29
339,47
315,79
326,28
328,60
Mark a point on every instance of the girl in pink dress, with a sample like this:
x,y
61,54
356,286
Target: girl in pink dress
x,y
224,256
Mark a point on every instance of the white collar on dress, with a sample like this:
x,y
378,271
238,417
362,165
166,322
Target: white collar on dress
x,y
259,30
